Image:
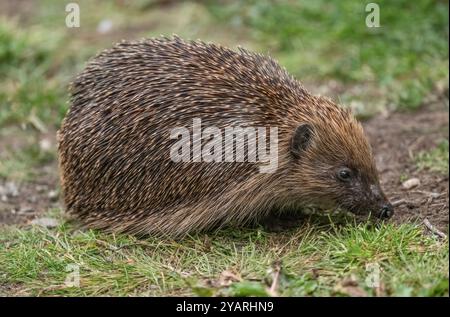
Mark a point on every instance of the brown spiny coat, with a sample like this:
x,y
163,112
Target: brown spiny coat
x,y
114,143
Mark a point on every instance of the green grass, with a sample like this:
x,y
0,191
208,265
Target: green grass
x,y
435,160
23,154
28,89
314,260
22,165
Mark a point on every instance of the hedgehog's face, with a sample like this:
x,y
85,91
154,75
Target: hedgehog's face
x,y
336,169
360,194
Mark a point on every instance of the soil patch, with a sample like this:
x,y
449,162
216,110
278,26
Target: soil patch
x,y
396,139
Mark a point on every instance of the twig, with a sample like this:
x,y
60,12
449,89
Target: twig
x,y
433,229
276,277
424,192
437,205
398,202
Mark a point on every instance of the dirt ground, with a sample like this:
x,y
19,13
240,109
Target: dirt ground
x,y
395,138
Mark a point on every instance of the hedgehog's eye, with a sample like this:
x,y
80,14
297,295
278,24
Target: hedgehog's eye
x,y
344,174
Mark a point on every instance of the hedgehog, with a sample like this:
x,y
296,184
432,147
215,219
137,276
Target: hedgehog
x,y
114,144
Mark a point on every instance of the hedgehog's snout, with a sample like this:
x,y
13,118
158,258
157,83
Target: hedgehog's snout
x,y
386,212
385,209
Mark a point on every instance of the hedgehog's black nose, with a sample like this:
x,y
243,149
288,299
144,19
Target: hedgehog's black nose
x,y
386,211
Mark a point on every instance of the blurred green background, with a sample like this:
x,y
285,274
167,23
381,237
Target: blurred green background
x,y
325,44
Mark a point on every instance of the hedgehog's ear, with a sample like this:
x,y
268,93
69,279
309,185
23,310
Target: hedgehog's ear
x,y
301,139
